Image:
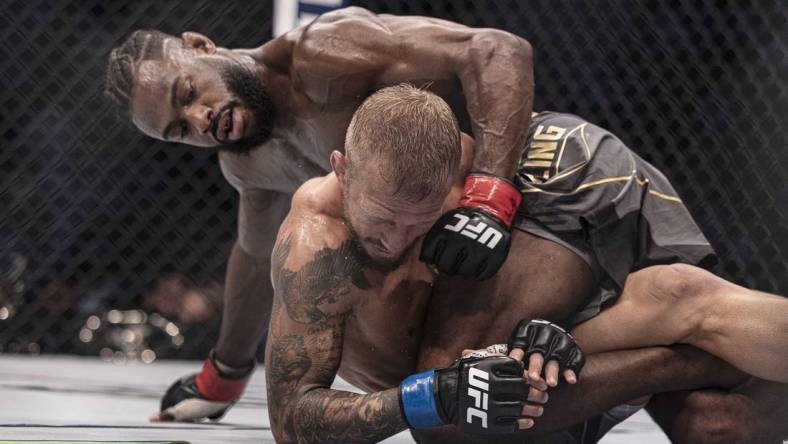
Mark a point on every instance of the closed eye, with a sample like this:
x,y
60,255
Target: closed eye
x,y
379,221
191,93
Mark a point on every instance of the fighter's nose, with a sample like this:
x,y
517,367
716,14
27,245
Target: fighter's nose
x,y
199,116
394,245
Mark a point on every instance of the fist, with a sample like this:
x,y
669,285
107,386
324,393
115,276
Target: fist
x,y
208,394
183,402
467,242
472,241
483,395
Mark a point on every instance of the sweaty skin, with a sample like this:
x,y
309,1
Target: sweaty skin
x,y
317,75
335,314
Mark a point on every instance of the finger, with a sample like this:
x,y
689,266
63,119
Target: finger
x,y
535,364
532,410
525,423
551,373
539,384
537,396
500,349
517,353
466,352
161,417
570,376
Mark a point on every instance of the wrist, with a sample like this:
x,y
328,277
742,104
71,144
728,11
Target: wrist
x,y
494,195
229,371
219,382
418,401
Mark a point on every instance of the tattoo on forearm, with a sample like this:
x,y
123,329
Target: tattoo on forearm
x,y
300,362
320,281
325,415
288,363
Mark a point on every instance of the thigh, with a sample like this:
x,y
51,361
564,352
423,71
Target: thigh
x,y
540,279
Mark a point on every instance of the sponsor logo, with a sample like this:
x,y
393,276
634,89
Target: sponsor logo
x,y
481,232
478,389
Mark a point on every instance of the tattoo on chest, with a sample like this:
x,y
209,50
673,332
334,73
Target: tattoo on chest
x,y
320,282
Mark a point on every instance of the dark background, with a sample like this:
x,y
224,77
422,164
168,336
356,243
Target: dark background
x,y
94,216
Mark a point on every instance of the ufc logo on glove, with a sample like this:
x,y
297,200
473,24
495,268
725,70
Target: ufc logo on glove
x,y
478,378
473,239
480,232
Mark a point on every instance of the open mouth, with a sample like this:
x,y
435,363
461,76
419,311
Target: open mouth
x,y
225,125
228,126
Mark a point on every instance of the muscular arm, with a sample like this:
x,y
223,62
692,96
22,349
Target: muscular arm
x,y
609,379
248,293
247,307
311,305
351,52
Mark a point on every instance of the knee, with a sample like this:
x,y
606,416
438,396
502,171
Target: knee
x,y
712,418
675,282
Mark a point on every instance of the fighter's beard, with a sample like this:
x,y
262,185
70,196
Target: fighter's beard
x,y
367,259
251,93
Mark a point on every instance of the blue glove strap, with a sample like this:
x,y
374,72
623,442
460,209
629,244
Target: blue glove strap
x,y
418,400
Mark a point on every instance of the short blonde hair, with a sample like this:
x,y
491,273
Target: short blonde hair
x,y
415,134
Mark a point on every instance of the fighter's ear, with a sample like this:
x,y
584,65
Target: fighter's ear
x,y
339,165
466,161
199,42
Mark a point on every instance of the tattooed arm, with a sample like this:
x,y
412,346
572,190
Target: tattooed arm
x,y
313,297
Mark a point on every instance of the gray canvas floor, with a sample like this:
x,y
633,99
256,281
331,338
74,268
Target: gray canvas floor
x,y
73,398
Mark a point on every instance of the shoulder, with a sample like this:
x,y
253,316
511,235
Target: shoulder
x,y
317,267
313,227
341,17
337,30
305,40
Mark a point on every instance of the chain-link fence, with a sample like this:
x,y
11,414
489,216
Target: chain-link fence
x,y
112,243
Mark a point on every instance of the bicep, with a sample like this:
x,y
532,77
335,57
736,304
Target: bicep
x,y
306,332
313,288
301,356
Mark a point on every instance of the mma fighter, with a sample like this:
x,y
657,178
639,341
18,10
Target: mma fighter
x,y
352,297
292,111
285,106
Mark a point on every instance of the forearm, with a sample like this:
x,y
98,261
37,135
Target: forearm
x,y
608,379
248,296
325,415
498,83
612,378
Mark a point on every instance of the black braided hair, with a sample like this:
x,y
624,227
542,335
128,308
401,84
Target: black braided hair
x,y
124,61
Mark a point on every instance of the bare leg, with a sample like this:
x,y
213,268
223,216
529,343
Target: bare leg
x,y
753,413
679,303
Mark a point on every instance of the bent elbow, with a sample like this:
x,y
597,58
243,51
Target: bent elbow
x,y
495,41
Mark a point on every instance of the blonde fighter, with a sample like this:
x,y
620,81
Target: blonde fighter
x,y
351,297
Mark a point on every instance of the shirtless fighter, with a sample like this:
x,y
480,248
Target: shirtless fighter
x,y
285,106
352,297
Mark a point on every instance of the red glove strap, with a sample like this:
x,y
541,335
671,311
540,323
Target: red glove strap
x,y
216,388
495,195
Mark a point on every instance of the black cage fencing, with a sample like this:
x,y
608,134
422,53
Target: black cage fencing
x,y
115,244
